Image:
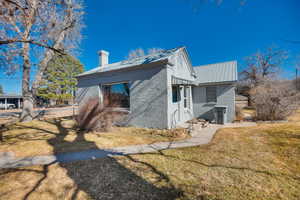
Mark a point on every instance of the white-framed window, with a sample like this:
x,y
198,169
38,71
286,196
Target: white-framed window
x,y
116,94
211,94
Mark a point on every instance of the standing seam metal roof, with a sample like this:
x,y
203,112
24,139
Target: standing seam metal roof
x,y
218,72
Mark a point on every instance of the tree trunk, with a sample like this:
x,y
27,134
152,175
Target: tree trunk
x,y
27,111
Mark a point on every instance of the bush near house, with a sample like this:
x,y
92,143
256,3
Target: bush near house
x,y
274,100
96,116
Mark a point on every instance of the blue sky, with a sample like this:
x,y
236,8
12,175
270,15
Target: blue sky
x,y
212,33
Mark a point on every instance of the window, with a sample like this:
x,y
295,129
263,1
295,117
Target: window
x,y
211,94
117,95
175,94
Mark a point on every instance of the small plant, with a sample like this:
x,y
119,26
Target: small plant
x,y
96,116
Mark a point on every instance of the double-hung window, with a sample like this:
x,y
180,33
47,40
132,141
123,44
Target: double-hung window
x,y
211,94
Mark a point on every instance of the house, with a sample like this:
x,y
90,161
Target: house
x,y
162,90
10,101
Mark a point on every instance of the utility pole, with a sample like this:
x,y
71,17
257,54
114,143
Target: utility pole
x,y
297,79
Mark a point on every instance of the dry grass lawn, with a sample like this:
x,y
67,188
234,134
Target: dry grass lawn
x,y
249,111
59,135
295,117
240,163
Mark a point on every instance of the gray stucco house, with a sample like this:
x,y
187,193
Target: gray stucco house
x,y
163,90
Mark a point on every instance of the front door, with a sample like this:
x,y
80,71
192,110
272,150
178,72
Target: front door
x,y
182,104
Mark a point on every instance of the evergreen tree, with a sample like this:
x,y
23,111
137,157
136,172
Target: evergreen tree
x,y
1,89
59,82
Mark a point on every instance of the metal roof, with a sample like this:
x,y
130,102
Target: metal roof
x,y
10,96
216,73
180,81
133,62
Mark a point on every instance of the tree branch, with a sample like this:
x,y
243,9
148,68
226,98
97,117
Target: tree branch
x,y
9,41
17,5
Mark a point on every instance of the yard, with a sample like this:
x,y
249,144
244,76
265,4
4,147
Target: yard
x,y
53,136
240,163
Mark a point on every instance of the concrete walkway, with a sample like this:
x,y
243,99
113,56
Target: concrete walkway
x,y
199,136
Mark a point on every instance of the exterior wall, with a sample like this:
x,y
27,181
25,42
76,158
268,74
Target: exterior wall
x,y
177,114
225,97
148,93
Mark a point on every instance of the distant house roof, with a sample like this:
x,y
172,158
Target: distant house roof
x,y
10,96
125,64
216,73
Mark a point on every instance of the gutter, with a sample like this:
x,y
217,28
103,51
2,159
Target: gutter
x,y
215,83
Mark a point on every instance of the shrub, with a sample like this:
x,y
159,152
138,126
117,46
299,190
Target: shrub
x,y
274,101
238,113
96,116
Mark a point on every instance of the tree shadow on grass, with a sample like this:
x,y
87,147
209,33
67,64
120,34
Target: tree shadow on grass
x,y
103,178
265,172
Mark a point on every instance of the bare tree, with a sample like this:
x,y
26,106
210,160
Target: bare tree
x,y
33,30
263,65
139,52
154,50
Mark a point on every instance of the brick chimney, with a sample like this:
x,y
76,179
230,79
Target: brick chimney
x,y
103,57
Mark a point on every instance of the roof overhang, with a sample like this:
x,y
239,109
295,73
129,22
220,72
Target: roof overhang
x,y
215,83
11,96
180,81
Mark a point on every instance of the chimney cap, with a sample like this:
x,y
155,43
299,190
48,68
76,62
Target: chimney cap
x,y
103,52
